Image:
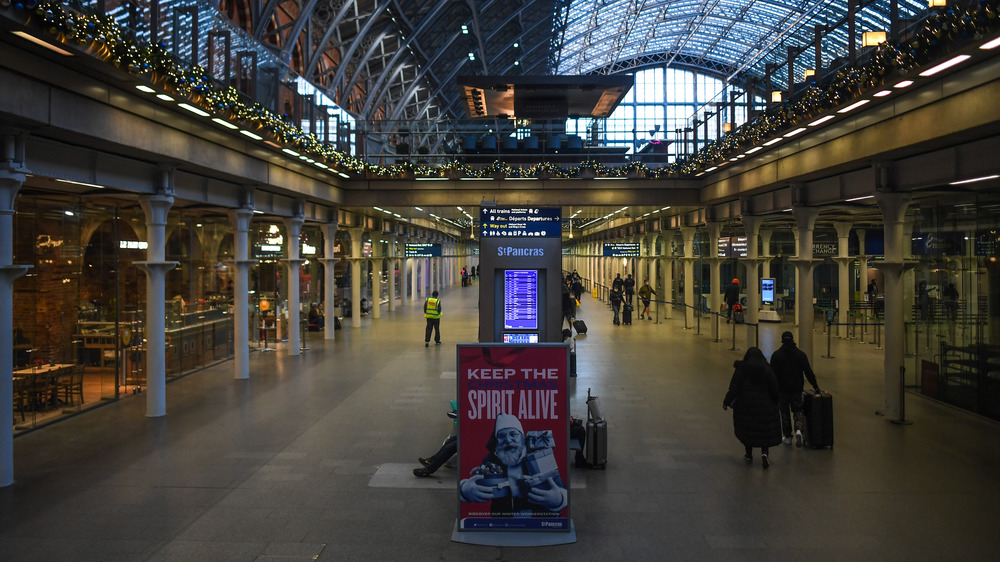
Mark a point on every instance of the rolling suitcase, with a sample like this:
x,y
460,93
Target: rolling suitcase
x,y
596,448
626,314
580,326
817,414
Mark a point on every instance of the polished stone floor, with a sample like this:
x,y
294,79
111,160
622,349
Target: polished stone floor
x,y
309,460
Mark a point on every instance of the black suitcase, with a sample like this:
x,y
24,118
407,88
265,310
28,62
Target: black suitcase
x,y
580,326
596,449
627,314
817,414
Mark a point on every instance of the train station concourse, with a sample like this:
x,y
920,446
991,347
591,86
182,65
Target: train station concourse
x,y
220,223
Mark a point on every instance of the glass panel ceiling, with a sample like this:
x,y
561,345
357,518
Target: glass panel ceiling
x,y
735,35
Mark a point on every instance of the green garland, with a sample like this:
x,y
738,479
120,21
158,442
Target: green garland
x,y
939,33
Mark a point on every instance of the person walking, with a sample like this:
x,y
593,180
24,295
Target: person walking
x,y
629,286
432,312
790,364
732,297
616,302
753,396
617,283
645,293
950,295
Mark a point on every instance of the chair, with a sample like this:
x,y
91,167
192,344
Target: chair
x,y
489,143
574,143
531,143
509,144
22,397
468,143
71,384
553,143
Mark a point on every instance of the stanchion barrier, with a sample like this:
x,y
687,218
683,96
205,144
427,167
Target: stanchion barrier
x,y
303,334
829,335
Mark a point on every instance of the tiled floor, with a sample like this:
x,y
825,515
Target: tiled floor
x,y
308,460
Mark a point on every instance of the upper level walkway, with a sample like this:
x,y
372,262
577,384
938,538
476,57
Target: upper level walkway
x,y
311,457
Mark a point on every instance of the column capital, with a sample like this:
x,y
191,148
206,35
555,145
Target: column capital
x,y
805,217
752,223
893,205
241,218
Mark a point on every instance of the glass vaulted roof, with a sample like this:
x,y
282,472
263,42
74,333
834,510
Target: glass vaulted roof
x,y
724,37
396,61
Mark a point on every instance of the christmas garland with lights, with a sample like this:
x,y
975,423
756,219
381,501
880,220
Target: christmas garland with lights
x,y
105,39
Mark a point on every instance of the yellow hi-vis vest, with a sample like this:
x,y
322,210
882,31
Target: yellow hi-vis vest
x,y
432,308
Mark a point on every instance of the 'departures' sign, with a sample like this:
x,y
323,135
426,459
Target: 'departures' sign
x,y
621,249
513,404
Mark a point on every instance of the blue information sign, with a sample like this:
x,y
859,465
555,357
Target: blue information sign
x,y
520,222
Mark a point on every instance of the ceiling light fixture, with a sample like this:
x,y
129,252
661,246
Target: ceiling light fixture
x,y
853,106
84,184
224,123
975,180
193,109
945,65
40,43
821,120
904,84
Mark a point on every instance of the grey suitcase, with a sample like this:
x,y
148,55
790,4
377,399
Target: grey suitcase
x,y
596,450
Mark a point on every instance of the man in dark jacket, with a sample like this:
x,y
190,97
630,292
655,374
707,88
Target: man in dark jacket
x,y
629,286
732,297
790,364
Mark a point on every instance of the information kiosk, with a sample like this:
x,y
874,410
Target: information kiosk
x,y
513,389
520,259
767,314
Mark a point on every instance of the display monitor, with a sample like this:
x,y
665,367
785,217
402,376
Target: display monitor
x,y
767,290
520,299
520,338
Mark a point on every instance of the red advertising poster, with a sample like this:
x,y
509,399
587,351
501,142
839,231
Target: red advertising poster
x,y
513,427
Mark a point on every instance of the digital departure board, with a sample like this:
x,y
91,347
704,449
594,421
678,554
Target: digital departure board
x,y
520,299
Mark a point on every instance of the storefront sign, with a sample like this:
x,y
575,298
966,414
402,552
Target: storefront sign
x,y
513,406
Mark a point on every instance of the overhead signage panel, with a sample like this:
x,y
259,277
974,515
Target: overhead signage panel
x,y
520,222
422,250
621,249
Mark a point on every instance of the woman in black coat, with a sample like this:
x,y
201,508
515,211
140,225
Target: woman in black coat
x,y
753,396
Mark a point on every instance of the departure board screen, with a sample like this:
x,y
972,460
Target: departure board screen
x,y
520,299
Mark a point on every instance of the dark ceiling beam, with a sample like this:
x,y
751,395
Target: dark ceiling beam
x,y
359,40
323,45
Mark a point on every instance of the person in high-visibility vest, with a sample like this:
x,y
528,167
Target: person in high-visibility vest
x,y
432,311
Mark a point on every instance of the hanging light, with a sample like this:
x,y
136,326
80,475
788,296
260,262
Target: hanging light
x,y
727,127
937,3
809,73
872,38
776,96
